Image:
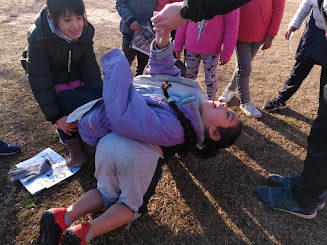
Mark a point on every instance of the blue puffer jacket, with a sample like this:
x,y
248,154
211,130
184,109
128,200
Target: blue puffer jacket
x,y
141,111
134,10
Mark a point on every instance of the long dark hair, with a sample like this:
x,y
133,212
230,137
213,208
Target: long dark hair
x,y
56,8
228,135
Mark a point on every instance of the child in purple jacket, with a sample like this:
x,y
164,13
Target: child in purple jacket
x,y
126,170
139,109
209,40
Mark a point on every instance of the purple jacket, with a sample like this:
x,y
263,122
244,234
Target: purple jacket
x,y
138,109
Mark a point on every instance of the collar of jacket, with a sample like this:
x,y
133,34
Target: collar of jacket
x,y
42,23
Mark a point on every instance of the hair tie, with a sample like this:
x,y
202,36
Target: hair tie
x,y
170,100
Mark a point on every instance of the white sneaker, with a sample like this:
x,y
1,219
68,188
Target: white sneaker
x,y
226,96
250,110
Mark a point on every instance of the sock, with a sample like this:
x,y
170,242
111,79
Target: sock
x,y
67,219
89,235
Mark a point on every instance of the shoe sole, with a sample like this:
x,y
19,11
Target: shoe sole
x,y
49,230
8,154
275,109
60,138
321,206
70,237
303,216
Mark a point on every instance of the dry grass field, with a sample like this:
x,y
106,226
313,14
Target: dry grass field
x,y
197,202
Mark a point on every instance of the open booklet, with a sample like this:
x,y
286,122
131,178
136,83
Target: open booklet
x,y
58,172
142,39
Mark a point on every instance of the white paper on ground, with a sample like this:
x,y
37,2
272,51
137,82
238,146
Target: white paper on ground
x,y
59,171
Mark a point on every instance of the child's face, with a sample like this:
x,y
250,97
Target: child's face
x,y
71,25
215,115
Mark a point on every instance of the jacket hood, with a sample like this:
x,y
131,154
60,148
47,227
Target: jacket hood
x,y
42,24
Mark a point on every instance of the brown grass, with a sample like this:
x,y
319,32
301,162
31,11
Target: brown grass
x,y
197,202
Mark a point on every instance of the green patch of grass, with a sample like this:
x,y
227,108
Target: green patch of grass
x,y
28,204
18,160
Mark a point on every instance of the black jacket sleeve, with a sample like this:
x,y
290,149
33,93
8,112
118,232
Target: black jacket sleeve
x,y
197,10
40,77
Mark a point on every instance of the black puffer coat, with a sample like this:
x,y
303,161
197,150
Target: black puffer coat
x,y
48,63
197,10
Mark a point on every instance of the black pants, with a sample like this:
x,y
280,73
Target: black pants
x,y
130,53
300,71
313,179
69,100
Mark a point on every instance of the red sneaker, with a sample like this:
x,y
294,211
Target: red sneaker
x,y
52,226
76,234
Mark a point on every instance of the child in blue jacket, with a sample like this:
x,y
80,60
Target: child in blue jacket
x,y
134,14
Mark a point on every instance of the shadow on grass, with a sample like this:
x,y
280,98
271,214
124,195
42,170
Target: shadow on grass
x,y
285,128
221,195
291,113
266,154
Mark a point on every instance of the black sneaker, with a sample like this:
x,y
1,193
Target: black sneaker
x,y
8,149
275,104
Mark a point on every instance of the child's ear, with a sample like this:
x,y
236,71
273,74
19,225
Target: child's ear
x,y
214,134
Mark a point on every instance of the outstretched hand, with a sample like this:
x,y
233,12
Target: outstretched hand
x,y
169,18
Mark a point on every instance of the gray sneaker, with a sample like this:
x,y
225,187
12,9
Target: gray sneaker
x,y
249,109
226,96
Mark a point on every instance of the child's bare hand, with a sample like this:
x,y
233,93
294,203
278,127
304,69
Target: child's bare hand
x,y
223,62
178,55
267,41
135,26
162,39
169,18
66,127
289,31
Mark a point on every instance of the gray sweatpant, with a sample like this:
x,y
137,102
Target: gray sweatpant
x,y
124,170
245,52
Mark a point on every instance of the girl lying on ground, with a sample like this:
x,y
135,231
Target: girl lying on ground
x,y
144,109
127,170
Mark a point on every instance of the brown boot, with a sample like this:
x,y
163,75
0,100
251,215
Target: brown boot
x,y
77,156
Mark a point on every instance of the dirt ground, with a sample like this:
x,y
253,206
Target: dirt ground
x,y
197,202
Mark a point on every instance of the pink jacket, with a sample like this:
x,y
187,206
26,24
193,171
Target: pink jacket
x,y
208,36
162,3
259,18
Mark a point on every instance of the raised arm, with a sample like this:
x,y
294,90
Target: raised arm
x,y
128,112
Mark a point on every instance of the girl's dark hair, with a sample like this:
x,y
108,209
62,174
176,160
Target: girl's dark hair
x,y
228,135
57,8
190,139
